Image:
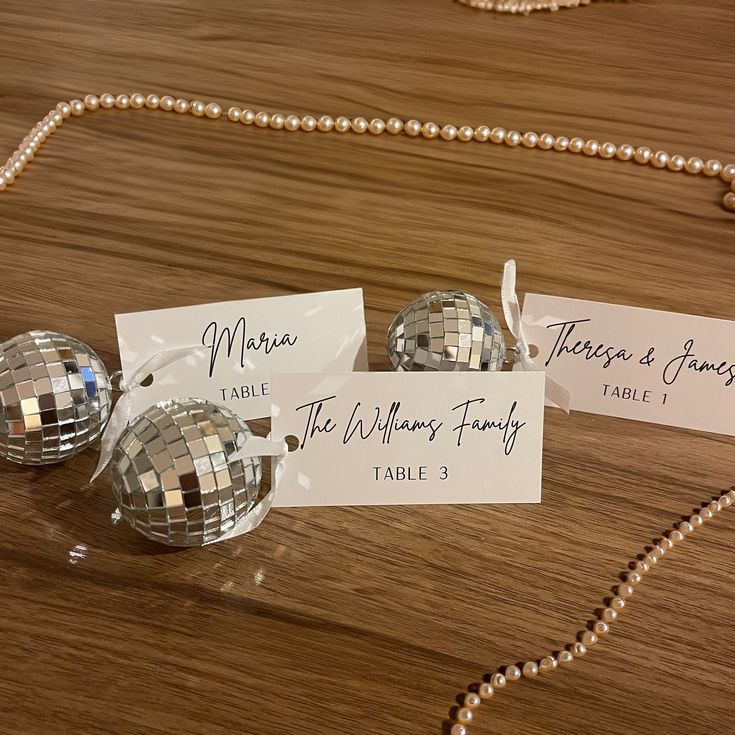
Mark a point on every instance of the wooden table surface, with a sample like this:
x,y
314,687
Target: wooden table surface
x,y
367,620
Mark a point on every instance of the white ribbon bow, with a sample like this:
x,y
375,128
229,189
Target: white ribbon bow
x,y
555,393
256,446
122,412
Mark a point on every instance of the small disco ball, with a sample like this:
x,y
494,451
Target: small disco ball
x,y
172,477
445,330
55,397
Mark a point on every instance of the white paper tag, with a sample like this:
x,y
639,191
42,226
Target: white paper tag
x,y
410,438
657,366
245,341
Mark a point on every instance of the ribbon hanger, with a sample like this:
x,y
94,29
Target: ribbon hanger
x,y
555,393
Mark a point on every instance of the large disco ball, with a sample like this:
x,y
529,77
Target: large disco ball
x,y
445,330
172,477
55,397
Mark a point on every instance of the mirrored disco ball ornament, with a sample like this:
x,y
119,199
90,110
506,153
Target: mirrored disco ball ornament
x,y
172,477
445,330
55,397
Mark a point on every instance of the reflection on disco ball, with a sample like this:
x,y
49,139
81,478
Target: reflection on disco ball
x,y
55,397
172,477
445,330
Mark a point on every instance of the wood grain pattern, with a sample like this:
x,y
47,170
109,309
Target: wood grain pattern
x,y
345,619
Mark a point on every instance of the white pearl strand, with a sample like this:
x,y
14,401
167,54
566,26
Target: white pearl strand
x,y
523,6
587,638
31,144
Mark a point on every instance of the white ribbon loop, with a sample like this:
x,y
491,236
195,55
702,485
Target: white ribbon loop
x,y
121,414
256,446
555,393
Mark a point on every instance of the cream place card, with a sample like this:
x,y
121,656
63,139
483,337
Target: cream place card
x,y
230,349
656,366
409,438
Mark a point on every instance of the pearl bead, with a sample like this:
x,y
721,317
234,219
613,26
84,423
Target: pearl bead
x,y
105,101
277,121
633,578
497,135
576,145
530,669
394,126
262,119
464,715
564,658
625,152
92,102
588,638
530,140
625,591
578,650
600,627
325,124
482,134
77,108
377,126
234,114
513,138
413,128
498,681
485,690
342,124
639,566
725,501
661,159
714,507
694,165
561,143
591,147
546,141
3,185
546,664
705,514
677,163
607,150
293,122
696,520
666,544
213,111
137,101
731,496
430,130
617,603
166,103
712,168
512,673
458,729
308,123
196,107
728,172
465,133
152,101
56,118
472,700
17,168
729,200
7,176
359,125
643,154
449,132
609,615
685,527
181,106
64,109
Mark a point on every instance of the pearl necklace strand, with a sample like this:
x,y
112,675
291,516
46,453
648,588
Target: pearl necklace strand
x,y
523,6
632,577
31,144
